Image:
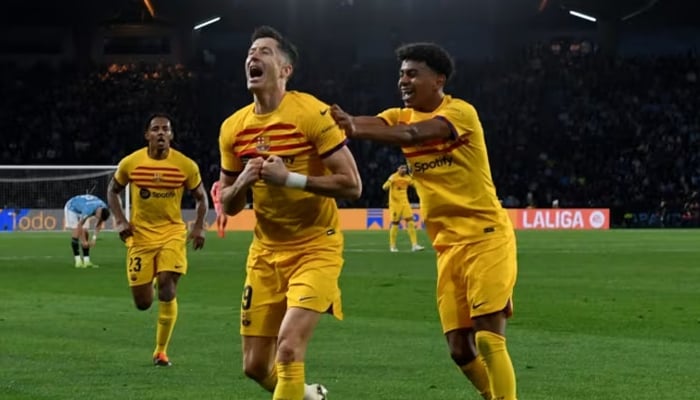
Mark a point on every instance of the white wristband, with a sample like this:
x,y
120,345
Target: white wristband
x,y
296,181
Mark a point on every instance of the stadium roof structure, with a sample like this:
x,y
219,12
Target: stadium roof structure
x,y
237,12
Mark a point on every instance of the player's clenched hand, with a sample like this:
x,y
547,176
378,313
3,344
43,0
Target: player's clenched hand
x,y
274,171
251,172
125,230
344,120
197,237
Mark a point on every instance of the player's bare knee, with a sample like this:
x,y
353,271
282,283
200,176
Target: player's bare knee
x,y
256,370
166,293
462,356
462,346
142,305
167,284
288,351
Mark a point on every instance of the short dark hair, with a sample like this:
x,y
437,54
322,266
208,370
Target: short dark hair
x,y
433,55
287,47
157,114
104,215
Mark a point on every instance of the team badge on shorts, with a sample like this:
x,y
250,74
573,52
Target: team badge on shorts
x,y
244,319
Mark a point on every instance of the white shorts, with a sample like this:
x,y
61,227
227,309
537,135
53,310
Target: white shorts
x,y
72,218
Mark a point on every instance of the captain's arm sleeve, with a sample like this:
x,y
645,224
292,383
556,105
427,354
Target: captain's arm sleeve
x,y
462,120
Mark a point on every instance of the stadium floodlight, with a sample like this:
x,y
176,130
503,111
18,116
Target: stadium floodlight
x,y
207,22
582,15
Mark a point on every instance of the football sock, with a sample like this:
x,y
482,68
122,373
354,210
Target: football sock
x,y
167,315
393,232
411,229
86,253
290,384
270,382
75,245
499,367
475,371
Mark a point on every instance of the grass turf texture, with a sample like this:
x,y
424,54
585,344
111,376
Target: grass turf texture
x,y
599,315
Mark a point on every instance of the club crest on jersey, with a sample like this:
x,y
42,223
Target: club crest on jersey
x,y
262,143
157,177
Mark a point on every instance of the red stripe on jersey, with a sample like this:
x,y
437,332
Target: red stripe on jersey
x,y
164,174
150,179
284,136
249,153
161,169
152,185
273,127
434,150
435,142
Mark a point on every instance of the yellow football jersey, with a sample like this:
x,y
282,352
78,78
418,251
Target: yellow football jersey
x,y
453,177
156,194
301,132
398,189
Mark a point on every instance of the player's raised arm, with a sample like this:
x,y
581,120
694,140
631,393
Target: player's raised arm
x,y
201,208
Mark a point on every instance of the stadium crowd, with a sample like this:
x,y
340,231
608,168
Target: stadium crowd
x,y
564,128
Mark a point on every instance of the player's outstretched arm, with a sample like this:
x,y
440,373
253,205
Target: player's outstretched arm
x,y
369,128
201,208
234,188
115,205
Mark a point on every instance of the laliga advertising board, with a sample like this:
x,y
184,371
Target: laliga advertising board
x,y
350,219
560,218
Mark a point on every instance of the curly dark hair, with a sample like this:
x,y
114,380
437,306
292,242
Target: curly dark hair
x,y
157,114
287,47
433,55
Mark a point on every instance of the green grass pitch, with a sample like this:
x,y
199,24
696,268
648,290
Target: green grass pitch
x,y
611,315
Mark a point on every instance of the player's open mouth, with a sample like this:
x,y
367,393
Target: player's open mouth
x,y
254,72
407,94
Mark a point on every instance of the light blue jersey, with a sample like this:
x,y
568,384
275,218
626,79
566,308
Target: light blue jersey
x,y
85,204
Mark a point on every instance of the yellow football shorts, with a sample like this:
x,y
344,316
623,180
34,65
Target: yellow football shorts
x,y
144,262
399,212
304,276
475,279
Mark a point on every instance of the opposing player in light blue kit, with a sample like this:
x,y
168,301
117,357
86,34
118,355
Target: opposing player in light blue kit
x,y
78,211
